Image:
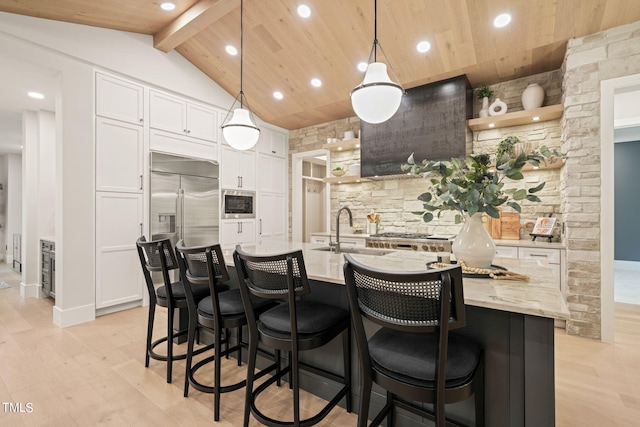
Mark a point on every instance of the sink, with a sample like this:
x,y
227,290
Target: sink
x,y
352,250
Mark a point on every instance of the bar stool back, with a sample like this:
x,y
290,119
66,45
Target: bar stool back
x,y
297,324
413,356
204,265
158,256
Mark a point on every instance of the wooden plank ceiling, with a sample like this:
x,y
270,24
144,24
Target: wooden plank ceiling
x,y
284,52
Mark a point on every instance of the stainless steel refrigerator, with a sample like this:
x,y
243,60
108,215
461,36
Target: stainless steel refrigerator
x,y
185,199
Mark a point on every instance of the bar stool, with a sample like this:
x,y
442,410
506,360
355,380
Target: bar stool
x,y
158,256
297,324
204,265
413,356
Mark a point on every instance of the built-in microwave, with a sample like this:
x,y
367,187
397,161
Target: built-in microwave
x,y
238,204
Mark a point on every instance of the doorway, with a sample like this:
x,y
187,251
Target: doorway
x,y
310,194
609,90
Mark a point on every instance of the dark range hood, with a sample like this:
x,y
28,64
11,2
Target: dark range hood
x,y
431,123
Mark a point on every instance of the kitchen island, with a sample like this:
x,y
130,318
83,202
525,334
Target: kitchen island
x,y
513,320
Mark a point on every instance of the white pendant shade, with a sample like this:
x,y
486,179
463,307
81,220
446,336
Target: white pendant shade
x,y
240,132
377,98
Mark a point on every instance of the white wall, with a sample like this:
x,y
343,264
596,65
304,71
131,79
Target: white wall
x,y
14,200
75,52
46,173
4,237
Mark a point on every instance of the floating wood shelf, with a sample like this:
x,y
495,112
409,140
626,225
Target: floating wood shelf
x,y
349,144
555,165
346,179
517,118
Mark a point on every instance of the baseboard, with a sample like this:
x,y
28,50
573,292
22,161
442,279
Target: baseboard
x,y
31,290
74,316
627,265
118,307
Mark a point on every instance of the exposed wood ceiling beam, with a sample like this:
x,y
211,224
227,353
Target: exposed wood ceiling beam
x,y
191,22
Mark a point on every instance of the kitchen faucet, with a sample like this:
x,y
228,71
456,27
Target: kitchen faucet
x,y
338,225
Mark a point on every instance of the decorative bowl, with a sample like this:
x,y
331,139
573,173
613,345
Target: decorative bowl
x,y
338,172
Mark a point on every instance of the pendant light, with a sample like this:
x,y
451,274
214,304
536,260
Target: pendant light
x,y
377,98
240,132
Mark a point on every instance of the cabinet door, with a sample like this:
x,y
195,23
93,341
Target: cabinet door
x,y
118,271
234,232
272,174
202,122
167,112
119,99
119,151
237,169
272,217
507,252
279,144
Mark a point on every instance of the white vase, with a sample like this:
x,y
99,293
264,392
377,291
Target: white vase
x,y
484,112
474,245
497,107
532,96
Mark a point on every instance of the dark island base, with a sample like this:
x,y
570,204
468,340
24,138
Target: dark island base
x,y
519,366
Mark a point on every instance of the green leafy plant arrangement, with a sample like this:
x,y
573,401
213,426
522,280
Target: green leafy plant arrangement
x,y
507,147
483,91
476,184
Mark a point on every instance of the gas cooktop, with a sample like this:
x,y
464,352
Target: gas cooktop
x,y
411,241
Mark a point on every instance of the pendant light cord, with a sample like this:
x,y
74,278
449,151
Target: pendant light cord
x,y
375,29
241,49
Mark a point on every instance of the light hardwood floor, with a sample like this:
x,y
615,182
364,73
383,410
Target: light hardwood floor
x,y
94,374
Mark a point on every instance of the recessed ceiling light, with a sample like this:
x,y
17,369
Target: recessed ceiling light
x,y
423,47
316,82
362,66
502,20
35,95
278,95
304,11
168,6
231,50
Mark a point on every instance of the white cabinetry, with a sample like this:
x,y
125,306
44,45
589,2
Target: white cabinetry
x,y
177,115
119,164
119,99
272,143
554,257
237,169
272,173
237,231
345,240
118,225
119,161
272,219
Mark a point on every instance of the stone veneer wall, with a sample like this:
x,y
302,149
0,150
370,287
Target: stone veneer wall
x,y
395,199
589,60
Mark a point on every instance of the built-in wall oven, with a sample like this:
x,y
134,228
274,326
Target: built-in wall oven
x,y
238,204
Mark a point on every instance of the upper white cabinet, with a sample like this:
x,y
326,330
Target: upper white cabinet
x,y
119,151
272,143
119,99
177,115
237,169
272,173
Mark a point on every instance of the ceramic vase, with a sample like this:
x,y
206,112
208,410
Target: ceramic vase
x,y
532,96
484,112
497,107
473,244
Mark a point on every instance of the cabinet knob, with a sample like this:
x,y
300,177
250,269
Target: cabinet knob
x,y
141,120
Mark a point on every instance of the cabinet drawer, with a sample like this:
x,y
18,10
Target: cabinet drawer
x,y
507,252
550,255
318,239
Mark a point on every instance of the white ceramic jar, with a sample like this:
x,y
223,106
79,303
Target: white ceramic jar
x,y
532,96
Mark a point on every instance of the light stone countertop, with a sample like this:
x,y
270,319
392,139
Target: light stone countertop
x,y
538,297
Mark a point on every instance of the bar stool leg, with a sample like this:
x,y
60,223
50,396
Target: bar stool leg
x,y
217,369
193,330
346,352
170,345
152,315
239,353
365,399
251,367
